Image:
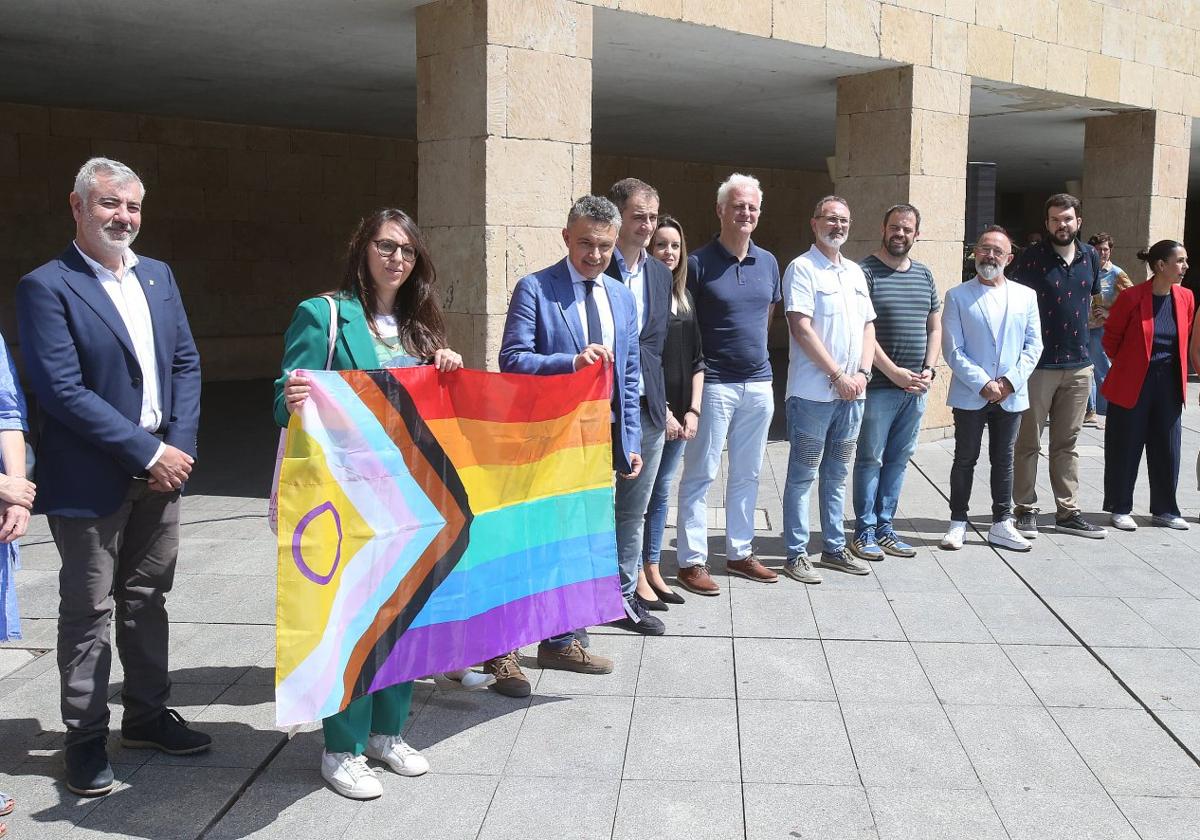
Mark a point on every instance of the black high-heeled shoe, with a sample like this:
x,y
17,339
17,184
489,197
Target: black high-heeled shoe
x,y
656,606
668,595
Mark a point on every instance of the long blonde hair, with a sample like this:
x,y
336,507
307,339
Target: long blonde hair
x,y
679,275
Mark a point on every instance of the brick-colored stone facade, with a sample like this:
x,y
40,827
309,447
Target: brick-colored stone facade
x,y
251,219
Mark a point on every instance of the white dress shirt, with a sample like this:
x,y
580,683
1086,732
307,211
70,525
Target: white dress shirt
x,y
608,331
635,279
129,299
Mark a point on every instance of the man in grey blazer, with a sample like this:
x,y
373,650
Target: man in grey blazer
x,y
992,340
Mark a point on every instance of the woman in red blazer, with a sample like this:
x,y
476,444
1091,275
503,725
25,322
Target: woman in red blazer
x,y
1146,336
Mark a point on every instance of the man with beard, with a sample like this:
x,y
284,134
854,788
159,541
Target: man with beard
x,y
908,335
992,339
832,343
109,354
1065,274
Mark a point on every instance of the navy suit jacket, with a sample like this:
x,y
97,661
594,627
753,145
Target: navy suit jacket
x,y
80,363
654,334
543,335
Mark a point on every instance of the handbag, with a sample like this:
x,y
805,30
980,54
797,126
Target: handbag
x,y
273,504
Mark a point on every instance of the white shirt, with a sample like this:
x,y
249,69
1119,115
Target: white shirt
x,y
836,297
129,299
994,301
635,279
608,331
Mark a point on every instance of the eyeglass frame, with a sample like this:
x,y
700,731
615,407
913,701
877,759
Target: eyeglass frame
x,y
407,252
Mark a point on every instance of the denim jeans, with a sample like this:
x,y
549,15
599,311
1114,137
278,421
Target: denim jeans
x,y
890,423
632,496
737,414
660,496
821,437
1100,367
968,436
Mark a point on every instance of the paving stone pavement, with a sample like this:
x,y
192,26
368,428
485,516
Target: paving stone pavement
x,y
968,694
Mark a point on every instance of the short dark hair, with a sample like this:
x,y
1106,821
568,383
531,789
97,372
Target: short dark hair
x,y
996,229
625,189
1100,238
902,208
1063,200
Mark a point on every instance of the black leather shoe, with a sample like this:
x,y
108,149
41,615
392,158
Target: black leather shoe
x,y
638,620
88,770
668,595
656,605
168,732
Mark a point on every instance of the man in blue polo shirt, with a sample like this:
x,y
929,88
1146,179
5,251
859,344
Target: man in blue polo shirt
x,y
735,285
1065,273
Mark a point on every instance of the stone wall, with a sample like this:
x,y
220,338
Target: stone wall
x,y
251,219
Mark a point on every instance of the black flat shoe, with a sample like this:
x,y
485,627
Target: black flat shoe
x,y
88,770
668,595
656,605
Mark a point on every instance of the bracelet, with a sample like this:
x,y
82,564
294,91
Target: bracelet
x,y
834,377
932,371
695,411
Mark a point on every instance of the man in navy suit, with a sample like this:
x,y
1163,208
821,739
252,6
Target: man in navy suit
x,y
561,319
110,356
650,283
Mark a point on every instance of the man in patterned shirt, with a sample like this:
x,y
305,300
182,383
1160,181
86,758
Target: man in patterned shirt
x,y
1065,273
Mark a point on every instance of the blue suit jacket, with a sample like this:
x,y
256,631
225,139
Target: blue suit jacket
x,y
80,363
543,335
976,358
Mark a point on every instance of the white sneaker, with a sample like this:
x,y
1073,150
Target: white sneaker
x,y
350,776
1169,520
398,755
464,680
1005,534
1123,522
955,534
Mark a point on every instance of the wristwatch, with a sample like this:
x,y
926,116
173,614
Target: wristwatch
x,y
932,372
866,374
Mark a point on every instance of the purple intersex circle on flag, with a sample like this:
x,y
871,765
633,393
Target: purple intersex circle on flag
x,y
298,555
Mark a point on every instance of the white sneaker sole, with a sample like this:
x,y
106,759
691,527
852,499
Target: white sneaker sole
x,y
946,545
349,792
1011,546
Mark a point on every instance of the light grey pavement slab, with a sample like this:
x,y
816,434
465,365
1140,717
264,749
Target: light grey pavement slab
x,y
956,694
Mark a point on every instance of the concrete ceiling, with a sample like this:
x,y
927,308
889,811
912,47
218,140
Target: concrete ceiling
x,y
661,88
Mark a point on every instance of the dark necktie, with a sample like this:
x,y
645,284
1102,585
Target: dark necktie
x,y
595,331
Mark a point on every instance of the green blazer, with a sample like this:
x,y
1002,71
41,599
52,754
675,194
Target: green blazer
x,y
306,343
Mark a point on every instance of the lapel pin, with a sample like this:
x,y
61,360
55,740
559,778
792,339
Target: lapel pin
x,y
152,281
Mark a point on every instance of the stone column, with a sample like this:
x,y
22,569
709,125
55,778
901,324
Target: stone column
x,y
1135,180
504,126
902,138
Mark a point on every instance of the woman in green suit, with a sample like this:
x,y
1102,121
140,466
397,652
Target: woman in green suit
x,y
388,316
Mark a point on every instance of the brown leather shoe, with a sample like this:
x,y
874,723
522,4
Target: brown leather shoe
x,y
573,658
697,579
749,567
510,679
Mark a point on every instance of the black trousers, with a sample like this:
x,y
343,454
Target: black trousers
x,y
1152,424
1002,429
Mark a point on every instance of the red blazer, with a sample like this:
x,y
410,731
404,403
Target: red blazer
x,y
1128,335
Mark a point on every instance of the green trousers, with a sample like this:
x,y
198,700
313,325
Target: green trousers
x,y
383,712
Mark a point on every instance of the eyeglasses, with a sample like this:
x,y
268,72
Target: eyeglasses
x,y
836,221
388,248
988,251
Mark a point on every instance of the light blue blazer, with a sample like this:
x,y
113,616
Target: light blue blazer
x,y
543,334
975,357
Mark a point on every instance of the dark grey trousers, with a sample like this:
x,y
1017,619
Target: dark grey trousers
x,y
124,561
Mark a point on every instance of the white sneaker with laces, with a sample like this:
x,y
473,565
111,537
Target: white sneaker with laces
x,y
1169,520
464,680
1005,534
350,775
1123,522
391,750
955,534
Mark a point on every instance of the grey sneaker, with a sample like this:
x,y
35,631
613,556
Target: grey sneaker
x,y
1027,524
844,561
1169,520
1080,527
799,568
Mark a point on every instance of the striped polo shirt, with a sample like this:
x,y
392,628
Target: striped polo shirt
x,y
902,301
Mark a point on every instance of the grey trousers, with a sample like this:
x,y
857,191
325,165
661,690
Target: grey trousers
x,y
126,561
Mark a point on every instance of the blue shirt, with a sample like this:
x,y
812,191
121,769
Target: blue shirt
x,y
732,299
1064,294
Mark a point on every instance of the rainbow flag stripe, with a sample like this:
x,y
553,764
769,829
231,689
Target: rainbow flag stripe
x,y
430,521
